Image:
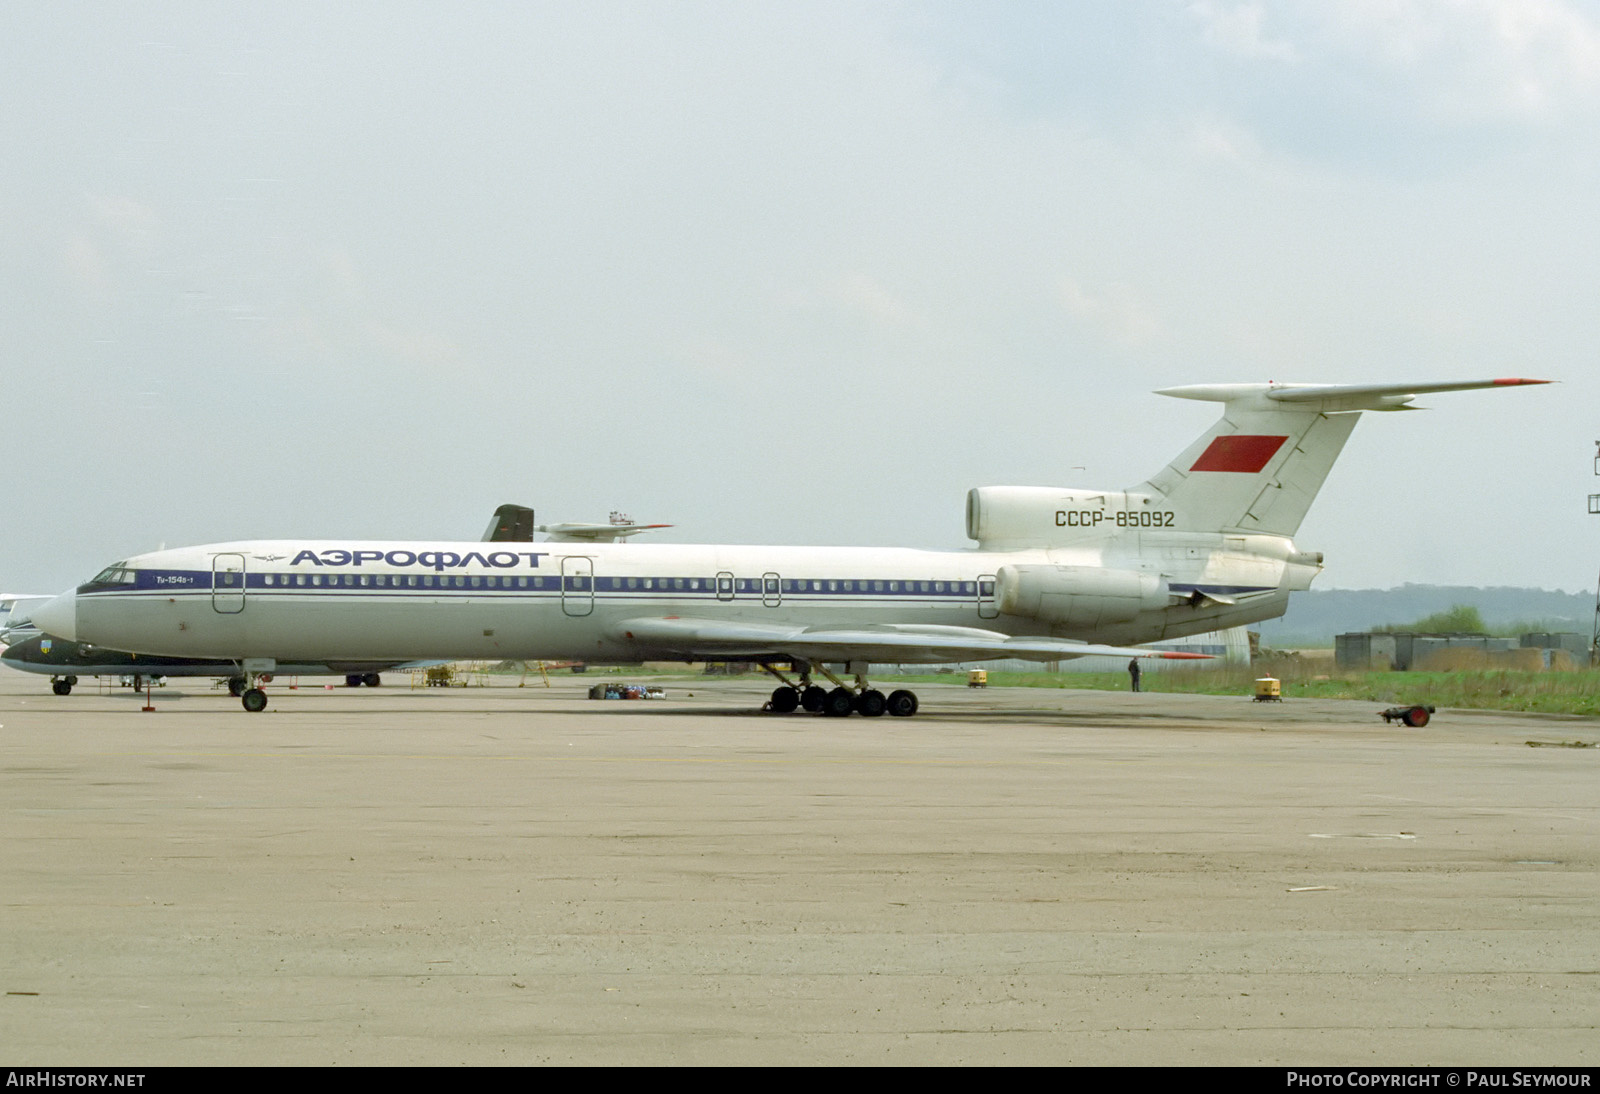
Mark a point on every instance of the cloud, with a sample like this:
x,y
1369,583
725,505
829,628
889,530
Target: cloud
x,y
867,296
1469,61
108,232
1114,312
1237,29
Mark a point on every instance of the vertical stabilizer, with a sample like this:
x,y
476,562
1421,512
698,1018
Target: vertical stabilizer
x,y
510,524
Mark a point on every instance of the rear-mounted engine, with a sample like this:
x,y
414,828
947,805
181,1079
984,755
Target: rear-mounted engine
x,y
1078,596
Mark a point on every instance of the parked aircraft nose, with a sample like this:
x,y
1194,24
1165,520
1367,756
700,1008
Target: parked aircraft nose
x,y
58,617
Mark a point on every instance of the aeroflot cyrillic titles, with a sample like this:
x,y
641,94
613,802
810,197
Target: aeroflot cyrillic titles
x,y
437,560
1204,544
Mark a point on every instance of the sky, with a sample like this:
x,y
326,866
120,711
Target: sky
x,y
798,272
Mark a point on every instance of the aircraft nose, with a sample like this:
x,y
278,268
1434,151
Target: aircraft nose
x,y
58,617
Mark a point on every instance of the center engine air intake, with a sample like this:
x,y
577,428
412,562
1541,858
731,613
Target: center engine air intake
x,y
1078,596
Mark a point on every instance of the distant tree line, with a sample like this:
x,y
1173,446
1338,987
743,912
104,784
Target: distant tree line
x,y
1315,617
1466,619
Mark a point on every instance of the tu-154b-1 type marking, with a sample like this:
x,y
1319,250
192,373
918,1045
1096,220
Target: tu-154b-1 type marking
x,y
1206,543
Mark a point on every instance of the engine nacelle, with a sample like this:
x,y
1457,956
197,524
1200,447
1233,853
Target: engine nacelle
x,y
1078,596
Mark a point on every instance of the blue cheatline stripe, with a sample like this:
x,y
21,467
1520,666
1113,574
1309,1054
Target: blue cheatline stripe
x,y
612,588
169,581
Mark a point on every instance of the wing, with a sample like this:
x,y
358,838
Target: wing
x,y
687,638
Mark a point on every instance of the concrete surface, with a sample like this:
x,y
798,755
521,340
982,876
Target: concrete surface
x,y
511,876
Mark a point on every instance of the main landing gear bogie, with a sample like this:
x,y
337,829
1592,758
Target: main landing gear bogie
x,y
841,701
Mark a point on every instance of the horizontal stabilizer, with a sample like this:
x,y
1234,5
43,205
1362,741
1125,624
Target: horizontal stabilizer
x,y
597,533
1334,398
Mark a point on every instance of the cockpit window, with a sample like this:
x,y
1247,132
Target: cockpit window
x,y
116,574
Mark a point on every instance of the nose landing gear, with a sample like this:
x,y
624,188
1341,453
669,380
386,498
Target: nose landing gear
x,y
248,686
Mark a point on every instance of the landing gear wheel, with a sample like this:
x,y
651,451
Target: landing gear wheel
x,y
870,703
236,686
1416,717
785,700
372,680
73,680
353,680
254,699
902,704
838,703
812,699
61,687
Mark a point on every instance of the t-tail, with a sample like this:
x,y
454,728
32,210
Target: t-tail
x,y
1256,471
1260,466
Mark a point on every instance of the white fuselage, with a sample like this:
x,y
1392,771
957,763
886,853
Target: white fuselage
x,y
330,600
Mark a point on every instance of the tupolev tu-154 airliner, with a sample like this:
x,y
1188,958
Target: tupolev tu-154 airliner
x,y
1204,544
